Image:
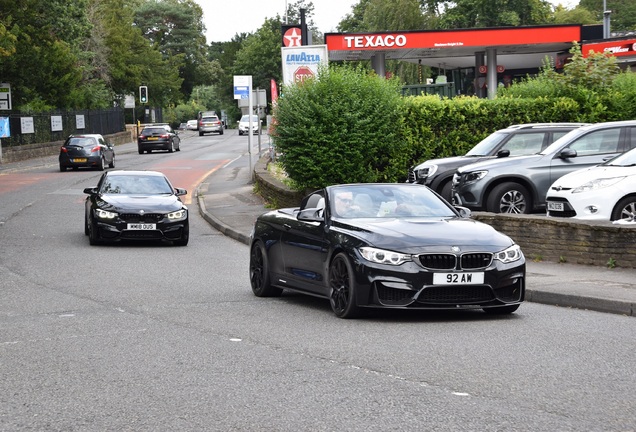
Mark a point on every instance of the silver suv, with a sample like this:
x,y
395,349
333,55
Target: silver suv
x,y
515,140
519,184
210,123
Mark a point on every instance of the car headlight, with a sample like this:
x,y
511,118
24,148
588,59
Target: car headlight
x,y
103,214
426,171
597,184
512,254
474,176
382,256
177,215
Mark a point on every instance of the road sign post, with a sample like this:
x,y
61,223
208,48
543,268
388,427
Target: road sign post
x,y
243,90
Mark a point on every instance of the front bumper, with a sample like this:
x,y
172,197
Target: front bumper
x,y
117,229
413,288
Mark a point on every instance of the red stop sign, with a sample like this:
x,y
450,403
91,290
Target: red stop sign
x,y
302,73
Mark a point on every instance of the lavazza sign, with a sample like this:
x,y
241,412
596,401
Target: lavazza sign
x,y
375,41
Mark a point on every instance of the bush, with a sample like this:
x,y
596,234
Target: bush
x,y
345,126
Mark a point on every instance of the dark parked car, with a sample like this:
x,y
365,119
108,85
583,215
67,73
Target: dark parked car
x,y
385,246
135,205
515,140
158,137
519,184
90,150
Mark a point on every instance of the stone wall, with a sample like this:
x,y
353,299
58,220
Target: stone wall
x,y
29,151
541,238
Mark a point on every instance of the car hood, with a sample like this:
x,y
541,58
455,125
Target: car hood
x,y
136,203
453,161
582,176
506,162
418,235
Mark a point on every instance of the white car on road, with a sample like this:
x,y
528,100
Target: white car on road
x,y
603,192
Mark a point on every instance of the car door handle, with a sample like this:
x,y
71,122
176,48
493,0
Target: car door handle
x,y
287,227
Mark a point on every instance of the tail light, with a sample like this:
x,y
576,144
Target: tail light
x,y
95,149
63,149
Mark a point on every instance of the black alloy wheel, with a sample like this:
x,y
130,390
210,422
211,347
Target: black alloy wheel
x,y
101,164
112,162
509,197
259,273
171,148
343,289
93,234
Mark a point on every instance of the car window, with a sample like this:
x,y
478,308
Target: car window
x,y
150,131
525,143
558,134
632,140
246,118
209,119
597,142
486,146
82,141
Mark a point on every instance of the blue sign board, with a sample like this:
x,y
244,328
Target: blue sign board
x,y
5,130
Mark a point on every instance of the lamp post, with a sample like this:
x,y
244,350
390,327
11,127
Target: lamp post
x,y
606,20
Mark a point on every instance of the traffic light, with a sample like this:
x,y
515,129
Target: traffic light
x,y
143,94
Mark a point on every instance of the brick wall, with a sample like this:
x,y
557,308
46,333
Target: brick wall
x,y
541,238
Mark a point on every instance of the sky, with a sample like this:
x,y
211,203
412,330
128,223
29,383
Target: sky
x,y
224,19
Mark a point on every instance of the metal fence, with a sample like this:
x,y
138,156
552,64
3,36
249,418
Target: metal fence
x,y
57,125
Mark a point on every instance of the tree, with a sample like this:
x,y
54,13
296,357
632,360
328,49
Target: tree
x,y
354,22
175,28
260,55
578,15
623,17
39,55
495,13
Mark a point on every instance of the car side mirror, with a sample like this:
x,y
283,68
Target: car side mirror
x,y
503,153
567,153
180,191
463,211
311,215
90,191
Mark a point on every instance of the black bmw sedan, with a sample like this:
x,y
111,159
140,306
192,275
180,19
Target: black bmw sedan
x,y
385,246
135,205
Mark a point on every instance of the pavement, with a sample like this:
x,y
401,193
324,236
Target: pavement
x,y
227,201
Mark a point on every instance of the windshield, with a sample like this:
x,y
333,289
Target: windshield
x,y
136,185
623,160
387,201
246,119
486,146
